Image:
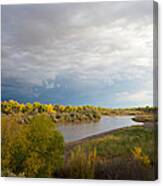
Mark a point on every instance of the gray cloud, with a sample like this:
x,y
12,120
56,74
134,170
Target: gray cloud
x,y
95,42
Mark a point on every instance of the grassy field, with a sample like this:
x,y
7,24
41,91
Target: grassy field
x,y
128,153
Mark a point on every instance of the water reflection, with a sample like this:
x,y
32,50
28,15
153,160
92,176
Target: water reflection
x,y
73,132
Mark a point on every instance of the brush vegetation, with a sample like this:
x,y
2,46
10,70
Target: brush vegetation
x,y
146,118
128,153
57,113
33,150
33,147
69,114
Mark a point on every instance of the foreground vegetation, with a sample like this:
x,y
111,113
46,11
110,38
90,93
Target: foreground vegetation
x,y
128,153
37,149
33,150
33,147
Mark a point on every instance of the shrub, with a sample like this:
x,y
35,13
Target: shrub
x,y
140,156
81,163
33,150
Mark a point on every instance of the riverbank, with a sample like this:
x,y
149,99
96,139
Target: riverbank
x,y
96,136
146,118
107,155
103,134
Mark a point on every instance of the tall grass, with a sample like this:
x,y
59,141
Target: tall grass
x,y
80,163
126,154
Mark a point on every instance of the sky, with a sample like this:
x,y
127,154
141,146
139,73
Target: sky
x,y
78,53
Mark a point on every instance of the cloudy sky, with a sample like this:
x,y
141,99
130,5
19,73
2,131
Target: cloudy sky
x,y
78,53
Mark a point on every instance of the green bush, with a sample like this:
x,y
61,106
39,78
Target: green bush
x,y
31,150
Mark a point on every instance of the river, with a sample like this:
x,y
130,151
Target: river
x,y
74,132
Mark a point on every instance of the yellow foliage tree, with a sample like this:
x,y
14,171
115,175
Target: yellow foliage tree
x,y
50,109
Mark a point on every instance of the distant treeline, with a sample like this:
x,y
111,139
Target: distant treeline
x,y
58,113
128,111
11,107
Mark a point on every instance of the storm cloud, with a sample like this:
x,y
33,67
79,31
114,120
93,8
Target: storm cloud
x,y
78,53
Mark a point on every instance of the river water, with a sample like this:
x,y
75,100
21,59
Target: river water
x,y
73,132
